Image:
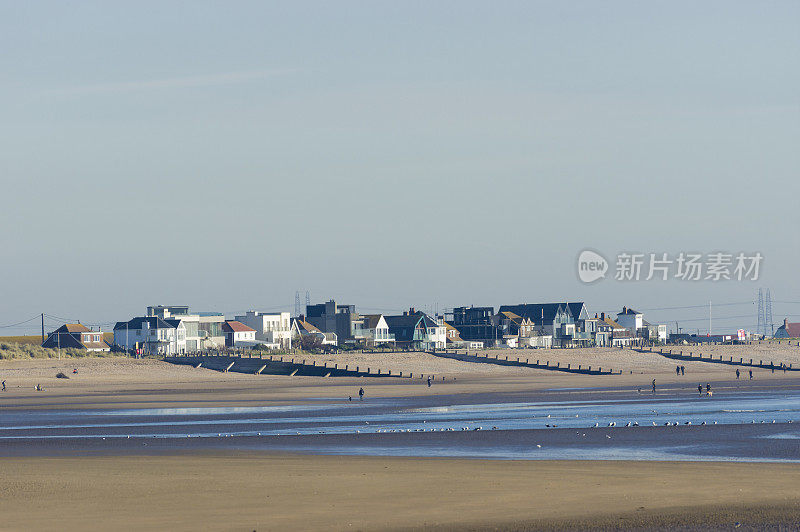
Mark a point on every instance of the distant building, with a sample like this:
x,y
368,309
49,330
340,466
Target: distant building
x,y
417,330
238,334
654,332
614,332
517,331
562,321
372,330
630,319
203,329
302,329
76,336
475,324
273,329
330,317
151,335
640,328
788,330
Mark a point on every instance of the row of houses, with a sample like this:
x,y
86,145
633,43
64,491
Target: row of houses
x,y
175,329
550,325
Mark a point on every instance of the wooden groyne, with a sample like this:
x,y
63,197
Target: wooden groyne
x,y
731,361
287,365
526,363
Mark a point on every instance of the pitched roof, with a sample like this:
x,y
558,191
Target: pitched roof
x,y
236,326
537,312
627,310
609,321
303,325
371,320
73,328
452,337
403,326
792,329
576,309
72,335
136,323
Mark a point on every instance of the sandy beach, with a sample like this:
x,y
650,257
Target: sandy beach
x,y
121,381
188,489
289,492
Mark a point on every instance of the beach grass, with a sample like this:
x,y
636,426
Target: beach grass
x,y
15,350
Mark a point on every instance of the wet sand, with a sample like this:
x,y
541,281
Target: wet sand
x,y
244,491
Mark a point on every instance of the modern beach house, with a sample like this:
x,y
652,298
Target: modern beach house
x,y
203,329
151,335
272,329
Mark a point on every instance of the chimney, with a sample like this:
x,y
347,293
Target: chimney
x,y
785,323
602,315
624,310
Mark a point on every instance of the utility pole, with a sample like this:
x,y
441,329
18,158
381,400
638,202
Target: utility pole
x,y
43,328
709,318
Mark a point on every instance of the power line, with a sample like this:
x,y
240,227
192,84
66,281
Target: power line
x,y
20,323
699,306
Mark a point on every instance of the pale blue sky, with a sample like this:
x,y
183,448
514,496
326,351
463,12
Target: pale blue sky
x,y
388,154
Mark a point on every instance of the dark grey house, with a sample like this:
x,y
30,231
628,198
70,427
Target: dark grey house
x,y
474,324
332,318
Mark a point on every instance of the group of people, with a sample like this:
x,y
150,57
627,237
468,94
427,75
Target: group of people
x,y
700,389
738,374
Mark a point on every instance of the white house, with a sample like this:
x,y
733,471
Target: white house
x,y
238,334
274,329
203,330
373,330
630,319
151,335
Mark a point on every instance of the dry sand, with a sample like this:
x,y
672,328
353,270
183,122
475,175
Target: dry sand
x,y
126,382
290,492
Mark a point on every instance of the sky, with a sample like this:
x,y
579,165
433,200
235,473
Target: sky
x,y
225,155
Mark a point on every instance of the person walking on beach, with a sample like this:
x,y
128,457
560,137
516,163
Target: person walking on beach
x,y
708,388
429,382
751,374
678,371
361,394
683,370
737,374
700,389
4,385
654,386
